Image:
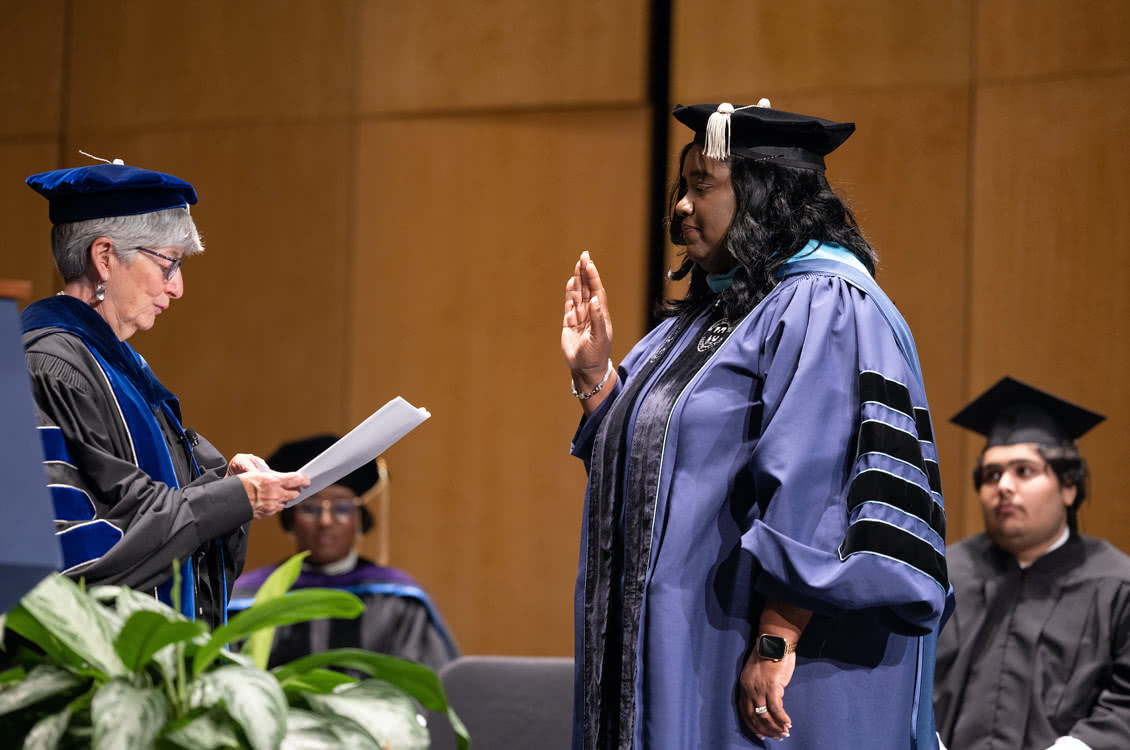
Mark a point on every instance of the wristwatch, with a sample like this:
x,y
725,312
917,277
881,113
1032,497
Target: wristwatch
x,y
773,647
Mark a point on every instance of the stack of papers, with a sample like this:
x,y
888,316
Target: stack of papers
x,y
365,442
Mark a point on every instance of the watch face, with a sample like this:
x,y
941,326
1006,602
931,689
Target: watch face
x,y
771,647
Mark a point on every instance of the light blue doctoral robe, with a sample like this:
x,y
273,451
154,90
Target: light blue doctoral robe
x,y
793,459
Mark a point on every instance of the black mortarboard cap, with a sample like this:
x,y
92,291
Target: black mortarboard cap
x,y
759,132
1013,412
115,189
294,455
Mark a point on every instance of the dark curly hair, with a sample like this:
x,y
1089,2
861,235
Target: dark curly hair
x,y
1070,469
779,209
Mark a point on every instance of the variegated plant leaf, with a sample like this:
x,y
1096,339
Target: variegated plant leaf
x,y
317,681
48,731
382,710
231,657
42,682
306,730
76,620
206,732
21,621
127,717
15,674
128,602
252,697
146,633
414,679
258,645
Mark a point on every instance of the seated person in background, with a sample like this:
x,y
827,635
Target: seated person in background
x,y
1037,653
399,618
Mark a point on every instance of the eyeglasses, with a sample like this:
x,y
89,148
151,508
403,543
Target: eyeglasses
x,y
175,263
340,510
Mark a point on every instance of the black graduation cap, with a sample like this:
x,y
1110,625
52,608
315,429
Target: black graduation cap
x,y
112,189
295,454
1013,412
759,132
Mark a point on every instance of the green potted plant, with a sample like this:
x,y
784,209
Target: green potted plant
x,y
119,669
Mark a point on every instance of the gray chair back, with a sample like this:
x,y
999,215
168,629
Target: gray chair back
x,y
508,703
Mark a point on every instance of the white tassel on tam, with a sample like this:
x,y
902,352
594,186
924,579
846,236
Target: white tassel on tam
x,y
717,145
717,141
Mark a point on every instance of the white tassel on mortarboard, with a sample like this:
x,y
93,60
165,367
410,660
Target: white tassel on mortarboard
x,y
717,145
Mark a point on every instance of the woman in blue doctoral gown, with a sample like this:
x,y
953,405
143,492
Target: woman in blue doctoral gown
x,y
763,538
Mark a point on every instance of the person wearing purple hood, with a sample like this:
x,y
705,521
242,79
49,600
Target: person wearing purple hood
x,y
399,618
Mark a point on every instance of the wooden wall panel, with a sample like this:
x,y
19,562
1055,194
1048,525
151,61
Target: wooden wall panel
x,y
904,174
27,251
1051,272
137,64
724,50
462,253
1040,37
499,53
31,59
256,349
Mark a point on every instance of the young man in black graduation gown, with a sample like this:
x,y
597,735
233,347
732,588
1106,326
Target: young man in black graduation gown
x,y
1037,652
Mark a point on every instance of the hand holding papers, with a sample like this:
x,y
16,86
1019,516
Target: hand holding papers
x,y
364,442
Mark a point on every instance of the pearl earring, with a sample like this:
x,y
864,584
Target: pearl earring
x,y
100,291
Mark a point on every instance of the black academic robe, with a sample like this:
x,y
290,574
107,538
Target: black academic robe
x,y
1036,654
157,523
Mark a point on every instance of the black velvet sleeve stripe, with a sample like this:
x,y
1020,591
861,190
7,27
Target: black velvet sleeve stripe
x,y
879,437
922,424
883,487
874,387
891,541
934,474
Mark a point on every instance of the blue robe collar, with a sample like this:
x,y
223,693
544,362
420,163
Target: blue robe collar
x,y
140,397
77,317
831,258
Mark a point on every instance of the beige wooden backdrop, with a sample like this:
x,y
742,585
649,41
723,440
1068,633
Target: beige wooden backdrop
x,y
392,195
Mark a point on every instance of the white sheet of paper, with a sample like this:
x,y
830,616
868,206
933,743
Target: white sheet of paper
x,y
366,441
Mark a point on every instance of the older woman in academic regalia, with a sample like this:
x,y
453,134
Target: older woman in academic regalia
x,y
763,538
133,489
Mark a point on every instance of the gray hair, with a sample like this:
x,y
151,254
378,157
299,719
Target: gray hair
x,y
171,227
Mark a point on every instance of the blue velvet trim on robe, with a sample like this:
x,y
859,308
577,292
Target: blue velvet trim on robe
x,y
139,394
829,258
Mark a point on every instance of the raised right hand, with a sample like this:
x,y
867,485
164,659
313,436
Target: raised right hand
x,y
270,491
586,331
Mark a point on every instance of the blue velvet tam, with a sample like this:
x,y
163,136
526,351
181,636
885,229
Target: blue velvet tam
x,y
104,190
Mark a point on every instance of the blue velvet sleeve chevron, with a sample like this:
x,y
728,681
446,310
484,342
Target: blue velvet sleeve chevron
x,y
894,499
844,465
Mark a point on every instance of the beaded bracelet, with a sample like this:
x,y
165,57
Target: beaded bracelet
x,y
594,391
